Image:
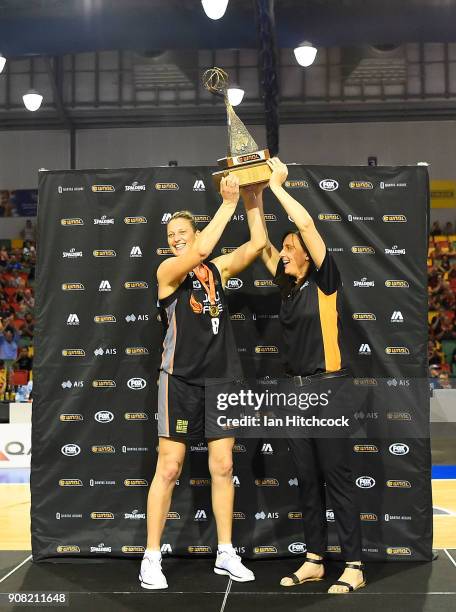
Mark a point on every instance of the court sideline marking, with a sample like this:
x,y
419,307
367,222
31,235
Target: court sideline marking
x,y
227,592
450,557
16,568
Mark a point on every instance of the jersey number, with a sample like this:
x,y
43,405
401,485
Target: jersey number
x,y
215,325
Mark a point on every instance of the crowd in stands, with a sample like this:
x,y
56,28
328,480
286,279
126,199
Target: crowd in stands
x,y
17,320
442,305
17,303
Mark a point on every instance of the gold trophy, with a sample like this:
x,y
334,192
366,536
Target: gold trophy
x,y
244,159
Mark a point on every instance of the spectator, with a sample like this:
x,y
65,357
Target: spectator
x,y
29,299
13,264
445,265
23,362
435,354
444,380
447,330
448,229
29,231
28,328
5,204
8,344
434,380
435,229
3,377
4,257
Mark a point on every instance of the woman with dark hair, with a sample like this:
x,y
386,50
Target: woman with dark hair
x,y
198,345
310,284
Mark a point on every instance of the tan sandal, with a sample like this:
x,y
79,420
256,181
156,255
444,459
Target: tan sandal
x,y
351,588
295,580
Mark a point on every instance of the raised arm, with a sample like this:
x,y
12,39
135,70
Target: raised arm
x,y
173,269
233,263
269,255
302,219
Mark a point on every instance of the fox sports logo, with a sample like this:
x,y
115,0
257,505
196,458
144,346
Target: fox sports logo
x,y
104,416
329,185
70,450
234,283
365,482
136,384
399,449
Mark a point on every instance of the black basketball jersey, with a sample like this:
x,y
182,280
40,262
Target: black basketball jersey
x,y
198,346
311,321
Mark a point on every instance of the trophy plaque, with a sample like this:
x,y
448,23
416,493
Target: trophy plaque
x,y
244,158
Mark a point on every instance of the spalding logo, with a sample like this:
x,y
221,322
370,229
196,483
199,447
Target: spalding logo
x,y
71,450
136,384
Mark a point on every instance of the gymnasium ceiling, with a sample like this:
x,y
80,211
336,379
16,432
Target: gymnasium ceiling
x,y
57,27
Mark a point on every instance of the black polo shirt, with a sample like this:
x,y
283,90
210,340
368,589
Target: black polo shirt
x,y
311,321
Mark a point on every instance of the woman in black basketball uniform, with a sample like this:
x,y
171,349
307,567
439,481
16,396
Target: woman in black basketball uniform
x,y
310,284
199,345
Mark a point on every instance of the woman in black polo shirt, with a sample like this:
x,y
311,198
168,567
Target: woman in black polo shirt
x,y
310,284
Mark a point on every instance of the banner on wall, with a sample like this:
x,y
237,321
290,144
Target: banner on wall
x,y
18,203
102,234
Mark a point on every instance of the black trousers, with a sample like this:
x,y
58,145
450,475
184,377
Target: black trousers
x,y
320,460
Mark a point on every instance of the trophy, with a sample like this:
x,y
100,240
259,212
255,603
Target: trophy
x,y
244,158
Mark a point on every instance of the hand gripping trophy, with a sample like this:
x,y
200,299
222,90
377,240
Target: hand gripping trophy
x,y
244,158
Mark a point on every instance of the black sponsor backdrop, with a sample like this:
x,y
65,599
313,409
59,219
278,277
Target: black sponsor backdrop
x,y
94,444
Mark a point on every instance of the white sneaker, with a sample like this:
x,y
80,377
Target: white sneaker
x,y
151,575
230,564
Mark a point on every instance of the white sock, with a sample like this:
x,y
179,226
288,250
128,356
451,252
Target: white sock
x,y
228,548
155,555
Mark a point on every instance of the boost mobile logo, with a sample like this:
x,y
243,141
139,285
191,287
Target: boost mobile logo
x,y
136,416
134,220
365,448
136,482
266,482
266,349
398,550
394,219
73,287
398,484
104,253
103,449
329,185
104,319
397,283
363,250
166,186
70,482
136,350
103,384
265,550
360,185
73,352
71,222
294,184
103,188
136,285
329,217
103,516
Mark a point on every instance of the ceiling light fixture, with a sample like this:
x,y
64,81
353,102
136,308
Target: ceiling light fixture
x,y
214,9
305,54
235,94
32,100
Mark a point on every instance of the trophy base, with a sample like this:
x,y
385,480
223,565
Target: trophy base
x,y
248,175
